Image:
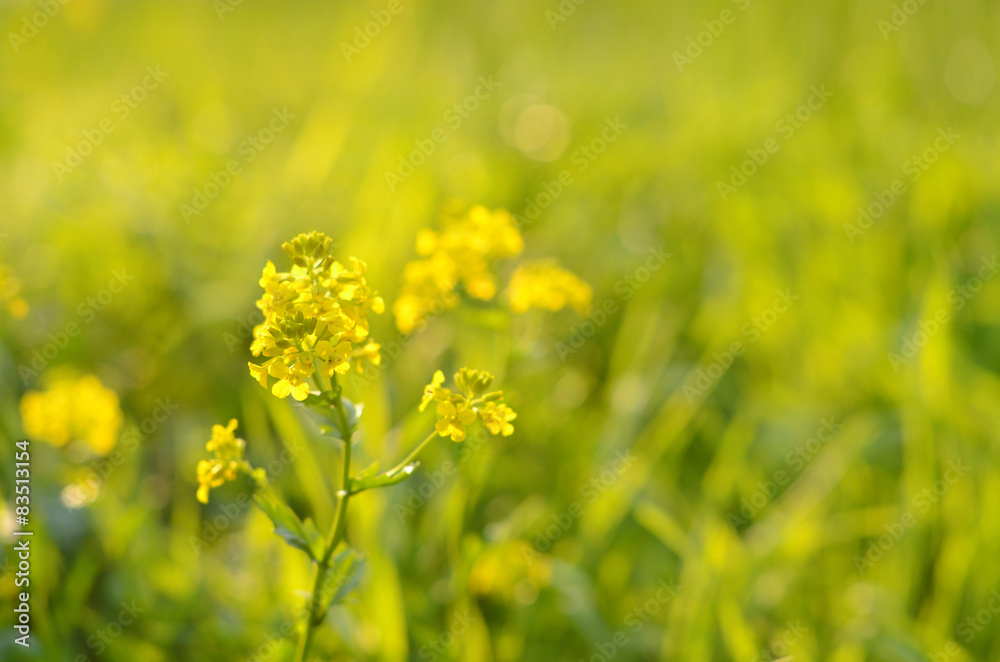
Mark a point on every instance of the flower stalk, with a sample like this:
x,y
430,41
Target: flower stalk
x,y
314,315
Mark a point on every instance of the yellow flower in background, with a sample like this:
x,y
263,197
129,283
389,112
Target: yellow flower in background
x,y
73,409
510,571
313,314
457,410
227,463
461,255
370,352
544,284
10,288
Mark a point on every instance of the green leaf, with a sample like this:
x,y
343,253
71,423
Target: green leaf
x,y
346,571
367,479
321,409
298,534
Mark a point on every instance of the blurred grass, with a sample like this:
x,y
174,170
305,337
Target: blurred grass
x,y
168,333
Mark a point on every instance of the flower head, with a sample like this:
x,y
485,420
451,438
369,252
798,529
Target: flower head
x,y
461,255
227,462
73,409
314,314
544,284
457,410
454,416
497,417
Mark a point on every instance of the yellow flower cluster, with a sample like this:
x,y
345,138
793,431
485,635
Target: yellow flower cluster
x,y
509,571
461,255
544,284
10,299
227,463
314,315
73,409
457,410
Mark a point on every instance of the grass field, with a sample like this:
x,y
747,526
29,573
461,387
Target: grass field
x,y
769,429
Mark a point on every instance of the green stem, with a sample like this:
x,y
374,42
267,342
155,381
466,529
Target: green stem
x,y
409,458
336,535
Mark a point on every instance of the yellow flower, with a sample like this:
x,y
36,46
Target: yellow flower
x,y
454,418
10,288
496,417
462,255
335,359
509,571
314,312
458,410
432,390
544,284
473,382
291,381
73,409
227,462
370,352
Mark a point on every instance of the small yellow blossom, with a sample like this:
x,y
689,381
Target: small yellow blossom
x,y
457,410
432,390
544,284
461,255
497,418
454,417
227,463
73,409
313,314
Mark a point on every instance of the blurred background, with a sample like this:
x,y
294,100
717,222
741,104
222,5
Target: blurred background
x,y
774,434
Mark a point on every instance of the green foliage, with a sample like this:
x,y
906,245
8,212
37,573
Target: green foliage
x,y
300,534
508,545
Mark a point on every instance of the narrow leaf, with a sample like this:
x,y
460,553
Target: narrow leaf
x,y
298,534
